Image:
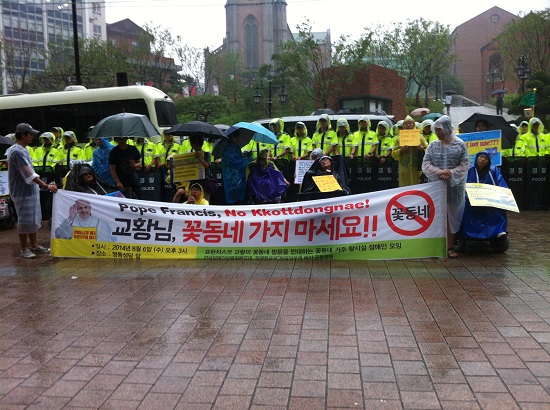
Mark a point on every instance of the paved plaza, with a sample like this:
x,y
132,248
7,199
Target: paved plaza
x,y
467,333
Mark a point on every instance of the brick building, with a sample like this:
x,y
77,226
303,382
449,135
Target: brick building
x,y
373,88
478,65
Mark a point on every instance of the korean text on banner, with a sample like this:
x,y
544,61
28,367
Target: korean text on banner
x,y
393,224
491,195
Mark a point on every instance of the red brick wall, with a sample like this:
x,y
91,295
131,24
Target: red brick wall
x,y
376,82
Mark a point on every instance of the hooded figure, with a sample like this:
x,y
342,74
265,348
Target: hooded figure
x,y
100,161
83,178
536,143
427,132
324,136
365,139
326,165
410,158
301,143
69,150
196,195
479,221
46,155
346,140
447,159
265,183
518,150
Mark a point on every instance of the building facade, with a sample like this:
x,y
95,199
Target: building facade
x,y
477,65
255,29
28,27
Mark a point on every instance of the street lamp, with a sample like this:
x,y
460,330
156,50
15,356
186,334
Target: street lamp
x,y
258,95
523,70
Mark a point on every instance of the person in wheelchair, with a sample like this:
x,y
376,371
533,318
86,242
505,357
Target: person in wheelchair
x,y
265,184
83,178
324,166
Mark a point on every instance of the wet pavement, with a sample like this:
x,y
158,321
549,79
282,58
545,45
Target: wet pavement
x,y
467,333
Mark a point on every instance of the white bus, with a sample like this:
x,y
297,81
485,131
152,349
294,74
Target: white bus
x,y
81,108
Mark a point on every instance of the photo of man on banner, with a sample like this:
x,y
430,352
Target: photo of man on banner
x,y
81,224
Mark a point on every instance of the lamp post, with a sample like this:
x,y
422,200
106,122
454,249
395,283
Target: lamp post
x,y
258,95
523,70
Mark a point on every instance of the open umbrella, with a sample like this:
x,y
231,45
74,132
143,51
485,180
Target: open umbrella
x,y
125,124
251,131
222,127
496,122
420,111
432,116
245,132
449,92
498,92
195,129
5,141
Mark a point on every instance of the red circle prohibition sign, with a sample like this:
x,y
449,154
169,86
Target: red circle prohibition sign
x,y
424,223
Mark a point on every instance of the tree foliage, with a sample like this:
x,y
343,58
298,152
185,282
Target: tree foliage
x,y
418,50
99,62
308,61
202,107
527,37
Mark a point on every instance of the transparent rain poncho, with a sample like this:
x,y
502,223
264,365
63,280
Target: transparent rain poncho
x,y
452,154
24,192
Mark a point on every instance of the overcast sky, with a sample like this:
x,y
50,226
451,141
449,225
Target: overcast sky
x,y
201,23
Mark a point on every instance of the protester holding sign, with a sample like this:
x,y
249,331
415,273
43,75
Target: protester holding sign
x,y
408,154
484,222
447,159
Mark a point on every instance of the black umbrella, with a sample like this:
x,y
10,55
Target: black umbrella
x,y
498,92
125,124
196,128
5,141
449,92
496,122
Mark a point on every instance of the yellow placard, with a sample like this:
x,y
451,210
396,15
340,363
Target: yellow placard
x,y
491,195
327,183
409,138
187,167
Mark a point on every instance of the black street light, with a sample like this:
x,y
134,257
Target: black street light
x,y
258,95
523,70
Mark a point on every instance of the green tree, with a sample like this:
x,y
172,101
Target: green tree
x,y
418,49
202,107
308,61
527,37
99,62
152,59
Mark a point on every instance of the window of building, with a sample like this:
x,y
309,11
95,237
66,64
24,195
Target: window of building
x,y
495,18
97,31
251,44
96,8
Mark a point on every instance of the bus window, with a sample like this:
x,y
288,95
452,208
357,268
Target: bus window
x,y
166,113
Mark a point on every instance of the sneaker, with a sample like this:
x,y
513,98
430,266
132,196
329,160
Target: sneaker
x,y
40,249
27,254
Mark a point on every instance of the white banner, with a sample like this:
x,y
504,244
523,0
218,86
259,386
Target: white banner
x,y
398,223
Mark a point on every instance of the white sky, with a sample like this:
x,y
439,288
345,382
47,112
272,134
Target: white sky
x,y
201,23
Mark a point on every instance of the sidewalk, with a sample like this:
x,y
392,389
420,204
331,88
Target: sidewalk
x,y
467,333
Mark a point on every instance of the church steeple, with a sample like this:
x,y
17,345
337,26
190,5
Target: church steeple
x,y
255,29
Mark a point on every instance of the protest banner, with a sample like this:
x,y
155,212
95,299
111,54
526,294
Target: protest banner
x,y
489,141
398,223
409,138
491,195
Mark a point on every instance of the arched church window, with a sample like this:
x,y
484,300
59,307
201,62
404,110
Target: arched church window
x,y
251,43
